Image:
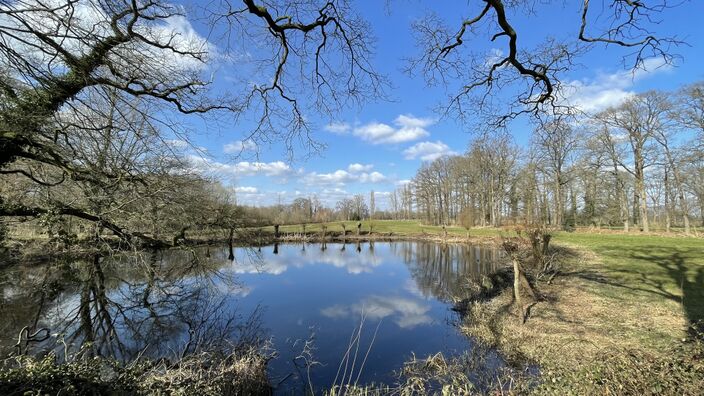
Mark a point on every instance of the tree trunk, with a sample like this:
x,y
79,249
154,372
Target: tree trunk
x,y
639,193
231,256
559,208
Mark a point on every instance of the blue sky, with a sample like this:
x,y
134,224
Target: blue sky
x,y
382,144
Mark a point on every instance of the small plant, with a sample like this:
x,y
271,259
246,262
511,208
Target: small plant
x,y
3,233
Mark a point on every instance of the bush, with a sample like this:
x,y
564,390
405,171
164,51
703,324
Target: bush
x,y
203,374
3,233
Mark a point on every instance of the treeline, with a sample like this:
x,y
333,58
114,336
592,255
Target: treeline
x,y
639,164
312,210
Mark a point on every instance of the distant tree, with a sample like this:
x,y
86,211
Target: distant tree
x,y
639,119
556,143
467,218
360,210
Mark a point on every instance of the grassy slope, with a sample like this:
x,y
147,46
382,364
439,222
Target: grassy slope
x,y
655,271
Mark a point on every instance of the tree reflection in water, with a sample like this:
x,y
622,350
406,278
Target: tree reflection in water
x,y
157,304
442,270
177,302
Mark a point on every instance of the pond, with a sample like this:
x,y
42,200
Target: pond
x,y
326,311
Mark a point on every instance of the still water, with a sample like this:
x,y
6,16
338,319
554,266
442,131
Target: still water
x,y
316,308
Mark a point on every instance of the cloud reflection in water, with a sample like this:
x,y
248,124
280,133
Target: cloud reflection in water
x,y
353,262
405,312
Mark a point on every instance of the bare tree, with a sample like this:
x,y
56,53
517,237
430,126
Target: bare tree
x,y
637,120
556,143
531,76
57,59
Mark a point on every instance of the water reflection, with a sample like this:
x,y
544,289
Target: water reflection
x,y
161,305
405,312
171,303
441,270
281,261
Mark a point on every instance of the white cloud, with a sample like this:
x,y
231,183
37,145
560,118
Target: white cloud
x,y
341,177
359,168
276,168
494,56
408,128
375,132
246,190
177,144
239,146
607,90
238,169
408,121
428,151
339,128
374,177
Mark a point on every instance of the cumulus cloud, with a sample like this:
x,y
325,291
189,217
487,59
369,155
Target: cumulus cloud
x,y
276,168
359,168
407,128
243,168
246,190
607,90
341,177
428,151
174,35
239,146
339,128
374,177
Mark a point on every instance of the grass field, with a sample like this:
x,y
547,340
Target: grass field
x,y
657,271
397,227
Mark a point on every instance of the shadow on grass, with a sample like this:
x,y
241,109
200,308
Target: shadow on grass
x,y
670,272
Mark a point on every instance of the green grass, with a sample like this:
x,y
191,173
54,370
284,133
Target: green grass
x,y
398,227
648,268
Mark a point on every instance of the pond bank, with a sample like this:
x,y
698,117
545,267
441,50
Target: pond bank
x,y
37,250
590,335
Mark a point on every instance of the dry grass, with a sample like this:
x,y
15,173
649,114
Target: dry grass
x,y
203,374
589,336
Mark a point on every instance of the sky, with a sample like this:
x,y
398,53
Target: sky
x,y
380,145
